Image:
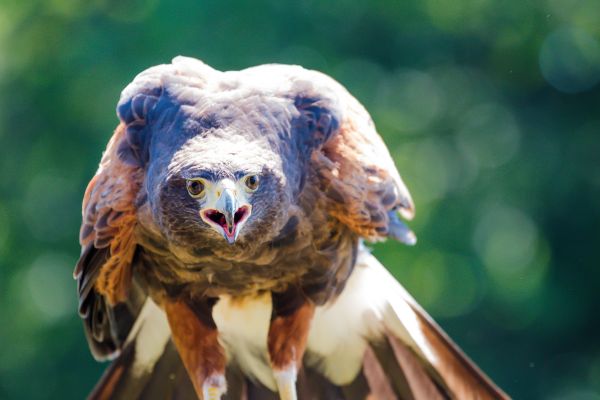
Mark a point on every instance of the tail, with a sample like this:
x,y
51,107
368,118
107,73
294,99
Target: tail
x,y
148,366
406,355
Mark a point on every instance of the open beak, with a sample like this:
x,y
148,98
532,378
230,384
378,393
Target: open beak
x,y
228,215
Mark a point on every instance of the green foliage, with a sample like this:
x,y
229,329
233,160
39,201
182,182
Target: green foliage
x,y
491,109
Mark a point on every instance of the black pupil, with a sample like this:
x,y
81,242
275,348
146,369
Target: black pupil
x,y
196,187
251,182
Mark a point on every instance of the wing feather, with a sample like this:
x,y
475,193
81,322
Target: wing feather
x,y
107,236
357,173
109,219
364,191
405,355
363,173
104,269
409,328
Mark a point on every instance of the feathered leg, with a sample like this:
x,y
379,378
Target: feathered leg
x,y
195,335
286,341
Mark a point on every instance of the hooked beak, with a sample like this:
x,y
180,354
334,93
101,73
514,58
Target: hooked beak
x,y
227,216
227,204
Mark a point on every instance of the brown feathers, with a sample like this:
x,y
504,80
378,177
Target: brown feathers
x,y
109,219
458,374
326,180
287,336
392,366
358,174
197,344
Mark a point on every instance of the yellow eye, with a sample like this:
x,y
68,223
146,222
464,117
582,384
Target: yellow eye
x,y
195,187
251,182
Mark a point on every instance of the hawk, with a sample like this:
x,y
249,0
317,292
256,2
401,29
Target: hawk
x,y
222,252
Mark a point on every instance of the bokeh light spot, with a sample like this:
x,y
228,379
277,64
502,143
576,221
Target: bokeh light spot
x,y
49,286
411,99
127,10
516,258
505,239
48,207
444,283
371,76
581,13
489,135
427,278
570,60
457,15
69,8
463,88
433,161
4,229
577,394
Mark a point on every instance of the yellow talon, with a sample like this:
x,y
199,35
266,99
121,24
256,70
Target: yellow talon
x,y
214,388
213,394
287,391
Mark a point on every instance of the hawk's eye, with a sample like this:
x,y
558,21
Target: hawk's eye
x,y
195,187
251,182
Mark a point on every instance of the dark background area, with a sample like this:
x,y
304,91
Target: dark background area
x,y
490,108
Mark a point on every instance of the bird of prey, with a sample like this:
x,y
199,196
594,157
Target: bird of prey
x,y
222,252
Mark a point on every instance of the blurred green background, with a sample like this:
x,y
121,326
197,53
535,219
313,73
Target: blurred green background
x,y
491,109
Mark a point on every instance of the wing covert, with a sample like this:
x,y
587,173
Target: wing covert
x,y
107,236
104,269
356,170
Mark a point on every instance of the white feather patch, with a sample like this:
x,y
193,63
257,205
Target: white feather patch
x,y
151,333
243,327
371,302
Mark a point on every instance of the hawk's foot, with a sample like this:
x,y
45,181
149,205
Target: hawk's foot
x,y
214,387
196,337
286,382
286,340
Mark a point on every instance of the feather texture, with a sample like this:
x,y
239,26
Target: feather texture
x,y
104,270
374,340
295,271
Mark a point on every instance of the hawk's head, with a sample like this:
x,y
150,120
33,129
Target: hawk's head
x,y
218,190
224,204
223,154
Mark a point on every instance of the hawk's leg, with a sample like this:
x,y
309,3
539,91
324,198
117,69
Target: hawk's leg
x,y
288,332
195,336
